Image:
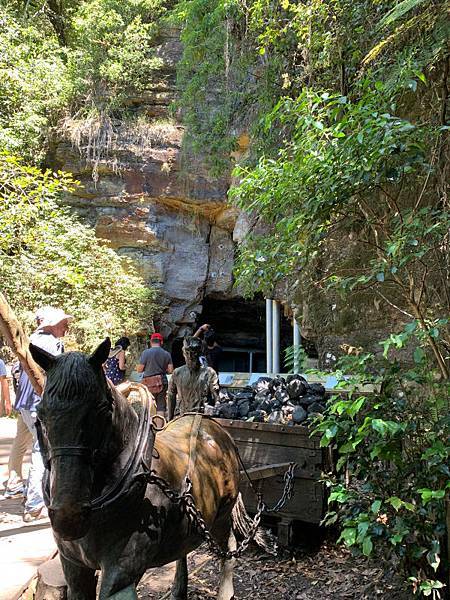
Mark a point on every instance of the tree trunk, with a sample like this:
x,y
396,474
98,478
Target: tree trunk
x,y
17,340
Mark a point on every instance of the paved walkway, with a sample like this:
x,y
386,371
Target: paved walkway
x,y
22,547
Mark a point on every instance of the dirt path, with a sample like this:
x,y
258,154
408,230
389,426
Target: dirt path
x,y
327,574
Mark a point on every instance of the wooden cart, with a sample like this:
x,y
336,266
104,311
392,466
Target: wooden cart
x,y
266,451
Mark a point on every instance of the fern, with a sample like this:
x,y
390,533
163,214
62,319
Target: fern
x,y
433,19
398,11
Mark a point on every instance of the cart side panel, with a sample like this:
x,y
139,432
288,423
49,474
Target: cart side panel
x,y
261,444
306,504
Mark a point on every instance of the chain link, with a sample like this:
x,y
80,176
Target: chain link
x,y
187,503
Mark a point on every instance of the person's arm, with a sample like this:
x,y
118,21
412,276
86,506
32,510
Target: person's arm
x,y
140,368
201,330
4,386
121,358
171,398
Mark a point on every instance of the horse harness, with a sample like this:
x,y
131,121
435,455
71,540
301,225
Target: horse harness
x,y
136,468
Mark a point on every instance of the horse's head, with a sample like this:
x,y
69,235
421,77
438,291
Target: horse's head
x,y
75,414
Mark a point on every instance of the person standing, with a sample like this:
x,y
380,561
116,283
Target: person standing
x,y
23,439
155,363
115,365
5,400
54,324
213,351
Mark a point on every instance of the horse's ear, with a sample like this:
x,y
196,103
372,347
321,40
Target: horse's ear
x,y
99,356
44,359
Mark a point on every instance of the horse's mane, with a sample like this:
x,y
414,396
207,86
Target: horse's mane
x,y
73,382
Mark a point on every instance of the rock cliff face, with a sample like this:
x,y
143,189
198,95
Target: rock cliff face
x,y
154,205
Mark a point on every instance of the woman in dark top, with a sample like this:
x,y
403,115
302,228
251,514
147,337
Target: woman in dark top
x,y
213,350
115,363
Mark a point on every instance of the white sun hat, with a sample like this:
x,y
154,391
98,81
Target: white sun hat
x,y
50,316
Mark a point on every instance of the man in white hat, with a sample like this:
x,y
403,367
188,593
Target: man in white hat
x,y
53,325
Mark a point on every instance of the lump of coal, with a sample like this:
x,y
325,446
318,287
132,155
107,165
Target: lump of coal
x,y
288,409
257,416
290,378
276,417
281,395
317,389
243,409
307,400
266,405
296,388
299,415
276,383
276,404
244,395
224,396
262,395
262,384
316,407
228,411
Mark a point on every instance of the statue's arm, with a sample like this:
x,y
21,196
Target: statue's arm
x,y
171,397
214,385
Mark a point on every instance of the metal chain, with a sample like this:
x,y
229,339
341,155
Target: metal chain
x,y
288,478
187,503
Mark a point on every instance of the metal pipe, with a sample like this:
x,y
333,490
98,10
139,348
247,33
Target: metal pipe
x,y
276,336
269,363
297,345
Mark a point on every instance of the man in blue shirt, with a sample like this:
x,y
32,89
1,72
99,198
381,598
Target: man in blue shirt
x,y
54,324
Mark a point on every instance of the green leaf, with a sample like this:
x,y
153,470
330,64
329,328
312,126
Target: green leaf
x,y
395,502
367,546
376,505
427,495
419,355
348,536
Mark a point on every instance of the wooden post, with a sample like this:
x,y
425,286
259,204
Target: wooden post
x,y
17,340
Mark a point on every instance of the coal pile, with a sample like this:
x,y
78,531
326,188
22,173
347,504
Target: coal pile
x,y
290,401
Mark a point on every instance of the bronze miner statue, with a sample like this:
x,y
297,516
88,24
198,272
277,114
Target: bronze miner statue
x,y
116,490
192,383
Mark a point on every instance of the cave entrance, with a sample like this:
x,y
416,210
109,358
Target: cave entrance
x,y
240,326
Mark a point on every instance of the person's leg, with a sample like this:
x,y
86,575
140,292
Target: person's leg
x,y
34,503
160,399
22,442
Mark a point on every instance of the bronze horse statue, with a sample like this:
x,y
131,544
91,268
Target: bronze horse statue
x,y
105,513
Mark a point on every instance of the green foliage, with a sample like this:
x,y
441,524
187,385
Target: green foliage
x,y
392,469
215,78
85,57
31,85
47,256
110,49
335,151
422,26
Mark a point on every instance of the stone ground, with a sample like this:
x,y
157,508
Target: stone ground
x,y
22,547
315,570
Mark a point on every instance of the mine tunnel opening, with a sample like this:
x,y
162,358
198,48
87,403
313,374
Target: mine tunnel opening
x,y
240,326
